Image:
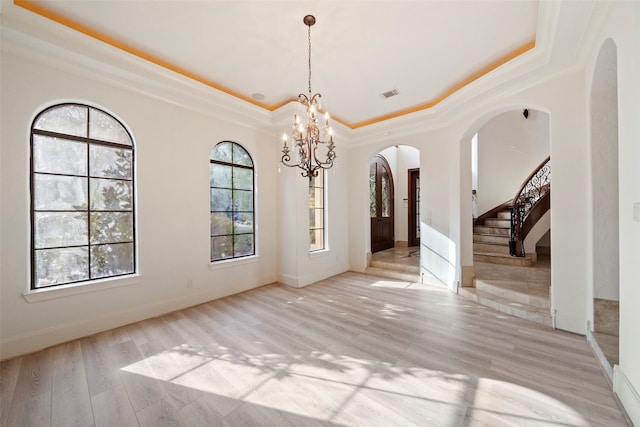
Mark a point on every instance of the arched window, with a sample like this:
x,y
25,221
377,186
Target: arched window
x,y
82,203
232,202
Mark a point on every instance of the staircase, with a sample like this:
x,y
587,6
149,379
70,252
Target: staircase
x,y
491,241
396,263
507,279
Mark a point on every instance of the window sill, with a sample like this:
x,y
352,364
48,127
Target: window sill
x,y
233,262
45,294
319,253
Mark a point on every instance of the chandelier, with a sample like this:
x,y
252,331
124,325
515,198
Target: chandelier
x,y
307,138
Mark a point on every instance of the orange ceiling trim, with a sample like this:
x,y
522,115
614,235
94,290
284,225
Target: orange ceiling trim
x,y
453,89
77,26
49,14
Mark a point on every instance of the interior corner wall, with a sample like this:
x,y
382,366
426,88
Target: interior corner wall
x,y
440,206
622,26
173,145
408,158
334,259
510,147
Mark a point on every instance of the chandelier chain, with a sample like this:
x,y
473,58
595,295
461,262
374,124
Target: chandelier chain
x,y
309,45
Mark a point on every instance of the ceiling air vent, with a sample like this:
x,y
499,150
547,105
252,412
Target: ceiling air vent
x,y
389,93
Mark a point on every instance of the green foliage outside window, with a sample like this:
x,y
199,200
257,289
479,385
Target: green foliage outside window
x,y
82,196
231,202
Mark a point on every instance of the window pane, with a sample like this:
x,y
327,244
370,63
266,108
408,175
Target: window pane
x,y
106,128
110,194
243,179
109,162
316,218
240,156
243,223
221,223
56,229
68,119
242,200
222,152
317,239
58,266
220,175
244,245
60,193
221,247
316,197
55,155
317,181
111,227
220,200
111,260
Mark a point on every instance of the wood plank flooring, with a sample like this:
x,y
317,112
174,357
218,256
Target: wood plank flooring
x,y
352,350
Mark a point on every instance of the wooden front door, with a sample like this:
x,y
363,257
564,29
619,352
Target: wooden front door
x,y
414,207
381,204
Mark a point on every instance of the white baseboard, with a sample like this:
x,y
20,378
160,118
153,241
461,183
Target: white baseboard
x,y
602,359
43,338
627,395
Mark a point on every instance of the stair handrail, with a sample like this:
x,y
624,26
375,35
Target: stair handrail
x,y
531,201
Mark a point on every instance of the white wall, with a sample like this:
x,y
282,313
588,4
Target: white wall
x,y
297,266
604,169
172,179
510,147
622,27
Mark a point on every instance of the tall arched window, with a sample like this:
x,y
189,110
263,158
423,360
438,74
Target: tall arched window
x,y
82,203
232,202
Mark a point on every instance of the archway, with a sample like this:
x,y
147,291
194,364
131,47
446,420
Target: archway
x,y
401,167
604,187
512,144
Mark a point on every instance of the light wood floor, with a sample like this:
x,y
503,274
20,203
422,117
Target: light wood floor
x,y
351,350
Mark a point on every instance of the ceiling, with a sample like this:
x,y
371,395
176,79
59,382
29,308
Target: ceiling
x,y
257,50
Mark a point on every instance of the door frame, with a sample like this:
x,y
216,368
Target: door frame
x,y
413,211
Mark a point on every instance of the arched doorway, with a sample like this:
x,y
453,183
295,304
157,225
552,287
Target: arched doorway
x,y
381,204
604,184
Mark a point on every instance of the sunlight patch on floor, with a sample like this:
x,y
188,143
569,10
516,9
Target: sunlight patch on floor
x,y
330,386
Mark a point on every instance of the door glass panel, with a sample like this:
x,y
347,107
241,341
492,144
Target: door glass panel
x,y
372,191
386,194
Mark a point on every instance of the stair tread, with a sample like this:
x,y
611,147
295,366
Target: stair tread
x,y
515,284
535,294
500,255
509,302
403,268
393,274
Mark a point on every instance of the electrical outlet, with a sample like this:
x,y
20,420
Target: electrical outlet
x,y
636,212
189,283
